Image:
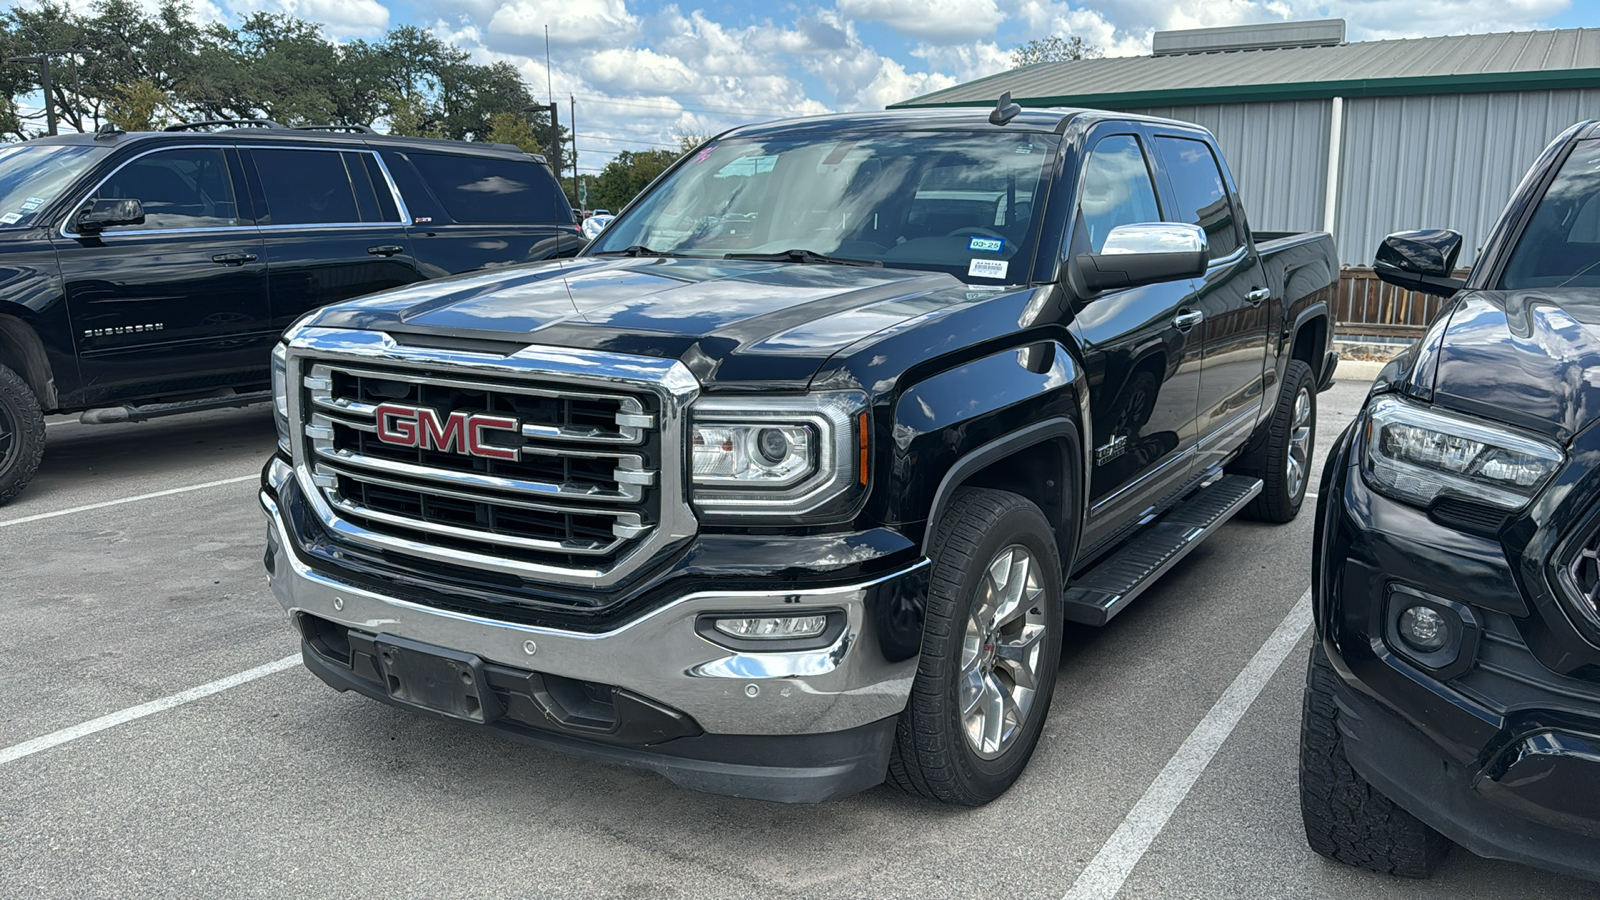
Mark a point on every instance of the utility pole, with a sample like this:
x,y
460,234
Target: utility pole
x,y
43,62
573,101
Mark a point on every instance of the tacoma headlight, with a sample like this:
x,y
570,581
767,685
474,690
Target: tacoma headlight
x,y
1416,454
778,456
280,393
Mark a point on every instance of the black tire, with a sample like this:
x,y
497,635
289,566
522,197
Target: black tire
x,y
1346,819
21,434
1268,454
933,755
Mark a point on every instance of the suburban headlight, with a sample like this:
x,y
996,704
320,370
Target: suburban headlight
x,y
280,393
778,456
1416,454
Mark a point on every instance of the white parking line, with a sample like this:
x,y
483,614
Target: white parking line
x,y
57,738
135,499
1110,868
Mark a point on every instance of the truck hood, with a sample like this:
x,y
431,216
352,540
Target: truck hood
x,y
1527,358
771,324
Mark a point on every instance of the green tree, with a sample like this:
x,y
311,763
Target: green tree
x,y
513,128
625,176
1055,48
139,106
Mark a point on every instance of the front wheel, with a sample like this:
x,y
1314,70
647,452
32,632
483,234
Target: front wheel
x,y
21,434
991,643
1280,453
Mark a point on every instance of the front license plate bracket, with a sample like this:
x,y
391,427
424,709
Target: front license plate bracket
x,y
436,679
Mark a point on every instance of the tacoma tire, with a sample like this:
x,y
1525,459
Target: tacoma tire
x,y
1280,452
21,434
991,644
1346,819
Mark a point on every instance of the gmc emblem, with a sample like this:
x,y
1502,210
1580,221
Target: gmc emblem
x,y
460,432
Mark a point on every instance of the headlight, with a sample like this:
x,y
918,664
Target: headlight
x,y
280,393
779,456
1416,454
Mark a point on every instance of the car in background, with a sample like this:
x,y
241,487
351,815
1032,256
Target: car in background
x,y
596,222
1453,692
151,273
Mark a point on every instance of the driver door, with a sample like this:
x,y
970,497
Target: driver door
x,y
179,302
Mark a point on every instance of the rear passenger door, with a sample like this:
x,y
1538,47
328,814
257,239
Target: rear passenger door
x,y
484,211
332,227
1231,296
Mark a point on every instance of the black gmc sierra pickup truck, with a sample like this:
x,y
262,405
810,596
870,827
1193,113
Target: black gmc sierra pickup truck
x,y
1453,693
791,481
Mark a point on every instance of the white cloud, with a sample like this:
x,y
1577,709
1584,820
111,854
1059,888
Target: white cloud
x,y
930,20
338,18
571,22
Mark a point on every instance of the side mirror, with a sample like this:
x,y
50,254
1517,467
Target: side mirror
x,y
1145,254
1420,261
102,214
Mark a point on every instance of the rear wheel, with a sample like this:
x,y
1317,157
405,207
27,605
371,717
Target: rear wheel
x,y
1346,819
991,643
1280,452
21,434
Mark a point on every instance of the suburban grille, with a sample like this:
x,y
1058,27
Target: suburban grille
x,y
562,483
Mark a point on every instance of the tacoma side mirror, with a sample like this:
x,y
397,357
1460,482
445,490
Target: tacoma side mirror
x,y
1144,254
102,214
1420,261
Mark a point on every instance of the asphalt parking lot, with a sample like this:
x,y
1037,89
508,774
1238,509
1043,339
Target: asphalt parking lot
x,y
130,571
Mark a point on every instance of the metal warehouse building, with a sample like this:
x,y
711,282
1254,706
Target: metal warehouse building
x,y
1359,139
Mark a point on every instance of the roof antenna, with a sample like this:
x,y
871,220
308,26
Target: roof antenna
x,y
1004,111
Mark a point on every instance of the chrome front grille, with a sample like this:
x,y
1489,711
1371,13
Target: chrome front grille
x,y
575,481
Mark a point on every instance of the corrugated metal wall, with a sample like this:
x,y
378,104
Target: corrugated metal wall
x,y
1278,153
1442,161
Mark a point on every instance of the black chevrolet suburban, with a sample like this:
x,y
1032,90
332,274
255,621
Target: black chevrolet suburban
x,y
1453,693
151,273
792,480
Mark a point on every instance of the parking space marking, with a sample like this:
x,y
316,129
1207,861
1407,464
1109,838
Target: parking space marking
x,y
1110,868
135,499
57,738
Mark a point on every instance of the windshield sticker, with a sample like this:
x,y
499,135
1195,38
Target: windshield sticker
x,y
705,153
987,268
30,205
1024,148
990,245
10,219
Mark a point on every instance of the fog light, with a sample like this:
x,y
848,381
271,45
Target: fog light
x,y
1423,629
774,627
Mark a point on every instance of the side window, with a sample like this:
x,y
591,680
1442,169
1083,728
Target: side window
x,y
306,187
1200,198
1116,190
492,190
179,188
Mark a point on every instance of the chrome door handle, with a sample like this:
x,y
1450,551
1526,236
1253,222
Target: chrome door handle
x,y
233,259
386,250
1258,296
1188,319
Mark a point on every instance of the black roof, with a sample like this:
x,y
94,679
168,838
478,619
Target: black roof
x,y
281,136
1036,121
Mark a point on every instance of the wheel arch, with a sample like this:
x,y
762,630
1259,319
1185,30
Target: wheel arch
x,y
23,352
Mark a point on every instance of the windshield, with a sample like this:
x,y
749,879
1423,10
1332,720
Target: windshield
x,y
1561,245
32,175
964,204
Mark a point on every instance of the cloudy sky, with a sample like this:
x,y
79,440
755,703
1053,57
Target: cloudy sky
x,y
645,70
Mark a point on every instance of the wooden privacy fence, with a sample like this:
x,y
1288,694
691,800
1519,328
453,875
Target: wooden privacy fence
x,y
1369,306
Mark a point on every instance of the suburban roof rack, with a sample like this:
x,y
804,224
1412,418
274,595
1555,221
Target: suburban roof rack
x,y
347,129
233,123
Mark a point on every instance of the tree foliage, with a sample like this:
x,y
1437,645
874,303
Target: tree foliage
x,y
144,68
625,176
1055,48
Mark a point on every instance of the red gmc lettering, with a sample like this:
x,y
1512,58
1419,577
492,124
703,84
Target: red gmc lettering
x,y
459,432
480,424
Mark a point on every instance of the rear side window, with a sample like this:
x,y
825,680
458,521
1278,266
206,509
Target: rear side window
x,y
1116,191
307,187
1561,245
1201,197
485,190
180,188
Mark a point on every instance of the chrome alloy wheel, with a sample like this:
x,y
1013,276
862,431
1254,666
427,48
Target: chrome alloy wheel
x,y
1000,653
1299,449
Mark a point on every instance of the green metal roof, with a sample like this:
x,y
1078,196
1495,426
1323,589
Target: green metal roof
x,y
1472,63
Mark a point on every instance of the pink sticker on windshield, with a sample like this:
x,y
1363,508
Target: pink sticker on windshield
x,y
705,153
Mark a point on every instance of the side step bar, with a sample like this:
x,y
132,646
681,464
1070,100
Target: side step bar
x,y
1109,587
112,414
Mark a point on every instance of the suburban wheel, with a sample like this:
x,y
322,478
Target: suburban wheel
x,y
1346,819
21,434
991,644
1280,455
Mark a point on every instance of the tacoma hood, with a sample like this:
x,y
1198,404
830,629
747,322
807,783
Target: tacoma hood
x,y
1527,358
729,321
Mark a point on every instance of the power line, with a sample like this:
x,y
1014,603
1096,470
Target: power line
x,y
601,137
672,105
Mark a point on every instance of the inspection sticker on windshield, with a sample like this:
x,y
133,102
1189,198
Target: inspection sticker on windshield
x,y
987,268
32,203
992,245
10,219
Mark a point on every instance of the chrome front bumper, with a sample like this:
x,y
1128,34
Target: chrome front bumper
x,y
658,655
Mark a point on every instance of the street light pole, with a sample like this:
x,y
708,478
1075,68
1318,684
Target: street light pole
x,y
43,62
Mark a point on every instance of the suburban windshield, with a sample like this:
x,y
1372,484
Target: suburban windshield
x,y
1561,246
32,175
965,204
